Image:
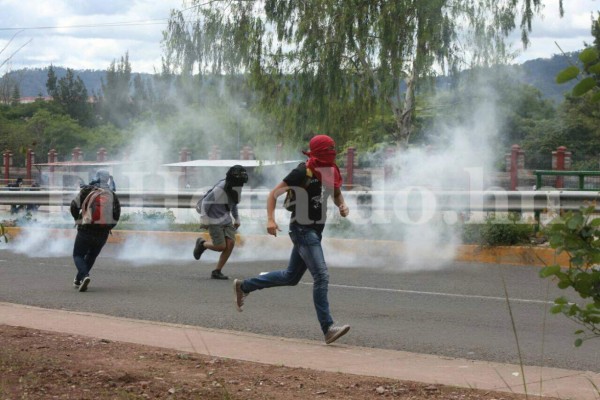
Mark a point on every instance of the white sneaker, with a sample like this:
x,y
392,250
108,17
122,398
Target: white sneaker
x,y
239,294
336,332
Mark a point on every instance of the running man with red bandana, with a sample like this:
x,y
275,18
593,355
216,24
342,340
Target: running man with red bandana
x,y
313,182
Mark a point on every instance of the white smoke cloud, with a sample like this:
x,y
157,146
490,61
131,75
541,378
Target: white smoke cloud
x,y
459,158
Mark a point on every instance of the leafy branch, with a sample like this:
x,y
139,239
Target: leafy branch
x,y
578,235
587,76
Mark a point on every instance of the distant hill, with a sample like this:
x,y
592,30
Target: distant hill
x,y
33,81
540,73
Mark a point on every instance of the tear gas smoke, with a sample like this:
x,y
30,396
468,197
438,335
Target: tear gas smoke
x,y
458,159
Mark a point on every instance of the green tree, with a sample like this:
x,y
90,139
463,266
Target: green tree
x,y
116,105
162,89
106,136
578,233
15,97
70,92
11,135
141,95
14,134
7,85
580,123
47,130
6,82
575,124
52,81
329,63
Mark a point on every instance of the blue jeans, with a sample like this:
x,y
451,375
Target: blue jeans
x,y
306,254
87,247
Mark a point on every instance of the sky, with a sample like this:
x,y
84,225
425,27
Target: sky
x,y
89,34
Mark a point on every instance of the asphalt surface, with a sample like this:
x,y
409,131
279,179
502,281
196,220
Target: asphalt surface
x,y
459,311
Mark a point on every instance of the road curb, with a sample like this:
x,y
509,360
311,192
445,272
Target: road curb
x,y
513,255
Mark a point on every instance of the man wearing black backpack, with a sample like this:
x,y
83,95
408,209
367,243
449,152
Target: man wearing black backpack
x,y
96,210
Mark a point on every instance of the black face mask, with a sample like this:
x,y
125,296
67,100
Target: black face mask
x,y
234,181
234,192
237,176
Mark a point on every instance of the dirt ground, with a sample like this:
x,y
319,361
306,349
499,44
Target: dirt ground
x,y
44,365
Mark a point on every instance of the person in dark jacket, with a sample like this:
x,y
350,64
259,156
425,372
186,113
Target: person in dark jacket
x,y
92,235
15,208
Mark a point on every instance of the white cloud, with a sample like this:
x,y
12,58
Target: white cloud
x,y
75,36
107,7
569,32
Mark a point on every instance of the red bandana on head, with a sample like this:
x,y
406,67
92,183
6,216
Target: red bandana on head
x,y
321,161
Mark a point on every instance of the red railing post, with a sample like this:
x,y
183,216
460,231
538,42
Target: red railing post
x,y
350,165
52,158
29,160
184,155
558,164
77,154
101,155
215,153
244,154
7,163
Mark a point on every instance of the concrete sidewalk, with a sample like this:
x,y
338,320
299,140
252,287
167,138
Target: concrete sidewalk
x,y
400,365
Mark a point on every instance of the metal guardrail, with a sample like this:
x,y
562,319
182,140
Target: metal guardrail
x,y
415,199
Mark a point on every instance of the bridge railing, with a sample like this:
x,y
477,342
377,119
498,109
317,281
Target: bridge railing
x,y
414,199
568,180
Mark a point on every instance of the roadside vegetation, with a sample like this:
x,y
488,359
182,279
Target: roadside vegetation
x,y
578,235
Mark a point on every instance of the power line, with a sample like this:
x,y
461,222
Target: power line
x,y
108,24
113,24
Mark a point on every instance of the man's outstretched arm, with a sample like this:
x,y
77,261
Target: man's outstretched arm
x,y
277,191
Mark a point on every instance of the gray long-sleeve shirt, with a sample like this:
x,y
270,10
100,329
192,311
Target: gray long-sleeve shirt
x,y
218,207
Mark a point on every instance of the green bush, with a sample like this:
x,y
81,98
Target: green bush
x,y
166,217
151,221
496,231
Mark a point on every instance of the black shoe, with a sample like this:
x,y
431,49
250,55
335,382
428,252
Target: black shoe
x,y
84,284
216,274
76,283
199,248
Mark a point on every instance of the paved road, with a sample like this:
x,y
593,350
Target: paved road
x,y
460,311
